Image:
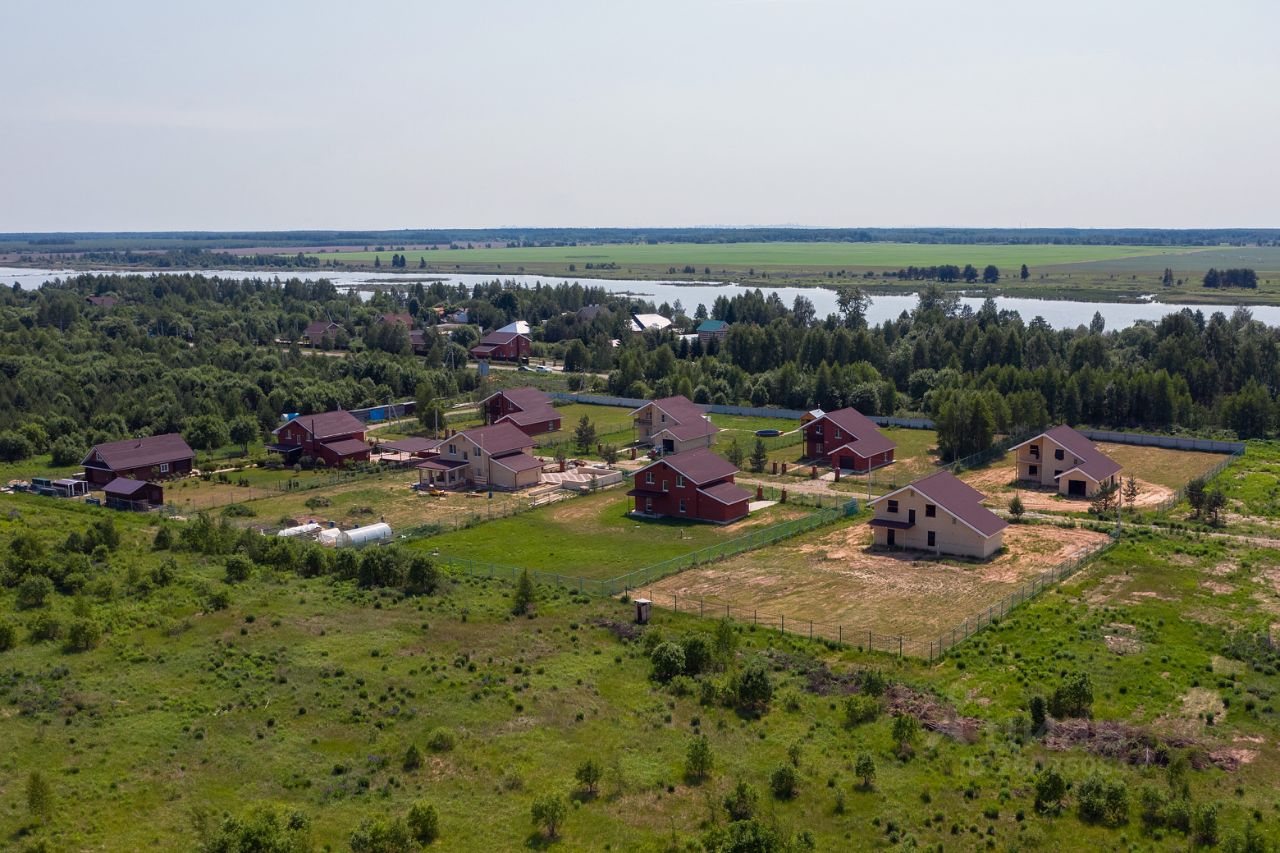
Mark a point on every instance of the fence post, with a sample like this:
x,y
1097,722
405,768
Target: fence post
x,y
899,645
783,623
840,634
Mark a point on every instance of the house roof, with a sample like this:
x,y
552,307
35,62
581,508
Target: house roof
x,y
698,466
644,322
726,493
347,446
125,486
519,327
524,398
866,441
442,464
412,445
102,301
402,319
690,430
679,408
517,462
139,452
326,424
497,439
496,339
957,498
532,416
712,325
1094,463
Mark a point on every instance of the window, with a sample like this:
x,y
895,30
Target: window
x,y
1033,470
164,467
453,450
932,538
665,483
1035,451
648,504
1057,474
1057,454
648,477
680,481
930,510
682,505
817,430
892,506
663,418
838,435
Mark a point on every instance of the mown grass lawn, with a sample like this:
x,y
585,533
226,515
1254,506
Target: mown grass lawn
x,y
591,537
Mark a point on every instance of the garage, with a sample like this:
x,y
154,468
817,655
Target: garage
x,y
848,463
1076,488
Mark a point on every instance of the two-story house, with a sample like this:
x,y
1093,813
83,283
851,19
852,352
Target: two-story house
x,y
847,439
673,425
939,513
1065,460
527,408
503,346
492,456
335,438
696,484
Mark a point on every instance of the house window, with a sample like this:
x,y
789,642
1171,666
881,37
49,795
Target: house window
x,y
648,504
664,486
1057,473
817,430
464,456
682,505
1035,451
662,418
892,506
1057,454
1033,470
679,481
932,538
164,467
930,510
453,450
648,477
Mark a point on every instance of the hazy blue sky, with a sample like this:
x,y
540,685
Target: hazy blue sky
x,y
266,114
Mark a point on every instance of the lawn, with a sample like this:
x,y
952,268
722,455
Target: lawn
x,y
833,577
591,537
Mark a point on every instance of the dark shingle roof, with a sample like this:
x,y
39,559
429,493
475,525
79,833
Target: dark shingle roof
x,y
139,452
698,466
958,498
517,461
726,493
124,486
327,424
498,439
347,446
858,432
1093,462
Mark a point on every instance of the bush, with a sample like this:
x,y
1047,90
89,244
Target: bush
x,y
44,626
668,661
697,654
1037,707
261,828
33,592
873,682
1100,800
753,688
860,709
1050,789
163,540
8,636
424,822
1204,824
412,759
588,775
906,730
698,759
524,595
82,635
375,835
441,740
865,769
548,812
1073,697
238,568
784,781
741,802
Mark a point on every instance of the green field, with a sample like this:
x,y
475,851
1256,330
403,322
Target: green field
x,y
788,255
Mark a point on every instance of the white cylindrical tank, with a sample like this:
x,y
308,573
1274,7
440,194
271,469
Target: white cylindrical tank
x,y
364,535
308,529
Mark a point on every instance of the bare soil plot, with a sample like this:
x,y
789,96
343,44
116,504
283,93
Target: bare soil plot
x,y
835,578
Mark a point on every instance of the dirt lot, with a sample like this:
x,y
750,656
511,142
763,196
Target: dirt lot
x,y
834,578
1158,471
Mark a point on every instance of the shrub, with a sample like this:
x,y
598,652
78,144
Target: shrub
x,y
8,636
698,759
906,730
741,802
39,796
753,688
865,769
1050,789
1037,708
412,758
33,592
1151,805
262,828
668,661
1204,824
1016,509
1100,800
44,626
163,540
524,595
441,740
238,568
860,709
784,781
588,775
697,654
375,835
1073,697
548,812
424,822
164,574
82,635
873,682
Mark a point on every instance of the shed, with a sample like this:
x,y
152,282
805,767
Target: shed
x,y
136,495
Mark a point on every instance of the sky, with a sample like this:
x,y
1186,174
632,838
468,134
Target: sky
x,y
296,115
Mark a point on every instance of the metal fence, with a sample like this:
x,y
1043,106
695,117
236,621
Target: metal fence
x,y
1181,492
723,409
651,573
1173,442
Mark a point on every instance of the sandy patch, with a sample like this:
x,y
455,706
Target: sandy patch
x,y
1217,588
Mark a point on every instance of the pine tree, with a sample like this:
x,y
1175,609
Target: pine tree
x,y
585,435
524,594
39,796
1026,273
759,456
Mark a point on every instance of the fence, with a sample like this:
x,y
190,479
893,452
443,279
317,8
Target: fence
x,y
649,574
1181,492
1173,442
721,409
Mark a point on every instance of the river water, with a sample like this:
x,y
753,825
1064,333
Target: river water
x,y
1059,313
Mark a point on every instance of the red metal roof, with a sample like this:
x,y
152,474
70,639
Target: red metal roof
x,y
957,498
524,398
347,447
124,486
412,445
1094,463
867,440
319,327
698,466
517,462
326,424
726,493
498,439
402,319
494,339
139,452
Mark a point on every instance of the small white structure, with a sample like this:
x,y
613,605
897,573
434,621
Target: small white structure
x,y
308,529
356,536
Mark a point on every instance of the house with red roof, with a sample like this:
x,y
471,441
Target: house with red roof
x,y
335,438
847,439
405,320
494,456
673,425
503,346
528,408
696,484
155,457
1063,459
939,513
318,329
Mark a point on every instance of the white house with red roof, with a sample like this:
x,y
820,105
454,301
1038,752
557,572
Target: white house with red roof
x,y
939,513
674,425
1065,460
847,439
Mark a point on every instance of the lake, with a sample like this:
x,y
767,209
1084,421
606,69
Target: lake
x,y
1059,313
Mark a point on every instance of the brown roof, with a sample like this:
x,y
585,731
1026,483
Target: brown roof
x,y
698,466
691,429
958,498
498,439
411,445
402,319
326,424
102,301
124,486
139,452
517,461
866,438
494,339
318,328
1094,463
678,408
726,493
524,398
533,416
347,446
